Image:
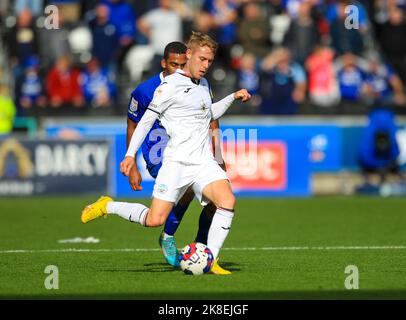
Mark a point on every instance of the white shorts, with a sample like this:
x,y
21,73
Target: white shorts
x,y
174,178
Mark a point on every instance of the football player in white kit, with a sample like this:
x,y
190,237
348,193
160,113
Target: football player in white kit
x,y
183,105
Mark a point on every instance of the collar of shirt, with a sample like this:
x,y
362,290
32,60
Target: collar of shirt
x,y
181,72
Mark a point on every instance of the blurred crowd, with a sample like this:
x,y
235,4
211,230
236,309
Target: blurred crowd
x,y
327,56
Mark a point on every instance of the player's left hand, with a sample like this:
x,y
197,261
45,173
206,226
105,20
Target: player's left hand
x,y
126,165
242,95
135,179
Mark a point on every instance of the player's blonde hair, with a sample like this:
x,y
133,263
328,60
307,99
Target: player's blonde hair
x,y
199,39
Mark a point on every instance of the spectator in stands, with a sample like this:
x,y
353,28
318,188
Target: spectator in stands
x,y
123,17
392,39
54,44
35,6
98,85
7,110
293,6
22,38
160,26
203,22
381,8
248,77
277,7
383,84
283,84
323,86
104,36
63,85
224,13
319,17
346,39
302,34
351,78
89,6
279,21
69,9
253,30
30,87
4,7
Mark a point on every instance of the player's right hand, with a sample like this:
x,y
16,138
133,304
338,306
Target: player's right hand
x,y
126,165
135,179
242,95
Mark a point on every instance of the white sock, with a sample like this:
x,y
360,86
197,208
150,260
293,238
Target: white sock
x,y
166,236
134,212
219,229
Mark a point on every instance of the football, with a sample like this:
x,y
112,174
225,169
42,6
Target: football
x,y
195,259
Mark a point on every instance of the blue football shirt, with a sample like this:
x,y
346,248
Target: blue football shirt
x,y
157,139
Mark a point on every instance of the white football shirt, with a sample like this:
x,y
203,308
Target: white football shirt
x,y
184,108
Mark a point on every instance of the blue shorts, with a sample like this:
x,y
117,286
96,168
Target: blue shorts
x,y
154,169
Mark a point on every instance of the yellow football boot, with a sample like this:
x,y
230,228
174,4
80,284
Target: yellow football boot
x,y
216,269
95,210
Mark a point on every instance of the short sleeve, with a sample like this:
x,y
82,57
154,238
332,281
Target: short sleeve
x,y
163,97
136,109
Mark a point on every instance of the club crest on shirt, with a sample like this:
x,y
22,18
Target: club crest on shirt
x,y
133,105
162,188
158,92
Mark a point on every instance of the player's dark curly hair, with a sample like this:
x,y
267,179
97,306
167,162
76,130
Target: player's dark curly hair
x,y
174,47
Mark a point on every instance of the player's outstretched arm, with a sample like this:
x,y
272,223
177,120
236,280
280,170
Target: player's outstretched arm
x,y
134,177
163,96
242,95
216,143
218,109
139,135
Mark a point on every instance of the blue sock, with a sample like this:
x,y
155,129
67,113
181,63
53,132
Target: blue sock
x,y
174,219
206,217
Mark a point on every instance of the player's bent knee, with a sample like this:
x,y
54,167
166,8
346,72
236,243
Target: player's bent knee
x,y
155,221
227,203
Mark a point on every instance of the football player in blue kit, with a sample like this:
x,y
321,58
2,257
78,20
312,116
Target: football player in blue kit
x,y
152,150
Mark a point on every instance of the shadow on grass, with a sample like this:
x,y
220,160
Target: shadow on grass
x,y
149,268
164,267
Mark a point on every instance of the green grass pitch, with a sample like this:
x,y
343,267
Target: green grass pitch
x,y
277,249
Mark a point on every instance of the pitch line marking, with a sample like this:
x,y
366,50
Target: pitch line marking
x,y
327,248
